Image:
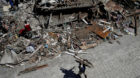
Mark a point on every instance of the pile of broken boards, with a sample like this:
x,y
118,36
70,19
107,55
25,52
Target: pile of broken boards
x,y
101,22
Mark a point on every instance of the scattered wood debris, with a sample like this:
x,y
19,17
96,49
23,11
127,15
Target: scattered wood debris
x,y
33,30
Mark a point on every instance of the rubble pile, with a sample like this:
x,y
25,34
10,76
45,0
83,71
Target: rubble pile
x,y
34,30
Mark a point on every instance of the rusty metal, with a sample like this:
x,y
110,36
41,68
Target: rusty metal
x,y
98,30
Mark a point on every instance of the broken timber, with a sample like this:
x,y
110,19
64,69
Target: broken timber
x,y
63,8
32,69
134,15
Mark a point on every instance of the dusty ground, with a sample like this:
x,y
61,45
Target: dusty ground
x,y
110,61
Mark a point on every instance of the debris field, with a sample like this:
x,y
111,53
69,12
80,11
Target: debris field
x,y
36,30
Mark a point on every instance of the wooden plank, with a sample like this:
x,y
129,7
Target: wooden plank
x,y
27,70
137,12
87,46
136,27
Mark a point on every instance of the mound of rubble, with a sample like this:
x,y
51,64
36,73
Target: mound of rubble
x,y
34,30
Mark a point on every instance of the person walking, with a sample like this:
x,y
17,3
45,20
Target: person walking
x,y
82,69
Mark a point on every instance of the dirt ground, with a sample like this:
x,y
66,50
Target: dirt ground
x,y
110,61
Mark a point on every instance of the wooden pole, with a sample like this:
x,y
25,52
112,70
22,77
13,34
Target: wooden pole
x,y
34,68
136,27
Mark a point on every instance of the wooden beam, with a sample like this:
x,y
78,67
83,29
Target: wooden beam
x,y
136,27
34,68
134,13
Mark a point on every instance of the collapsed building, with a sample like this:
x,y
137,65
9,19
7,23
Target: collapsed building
x,y
35,30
